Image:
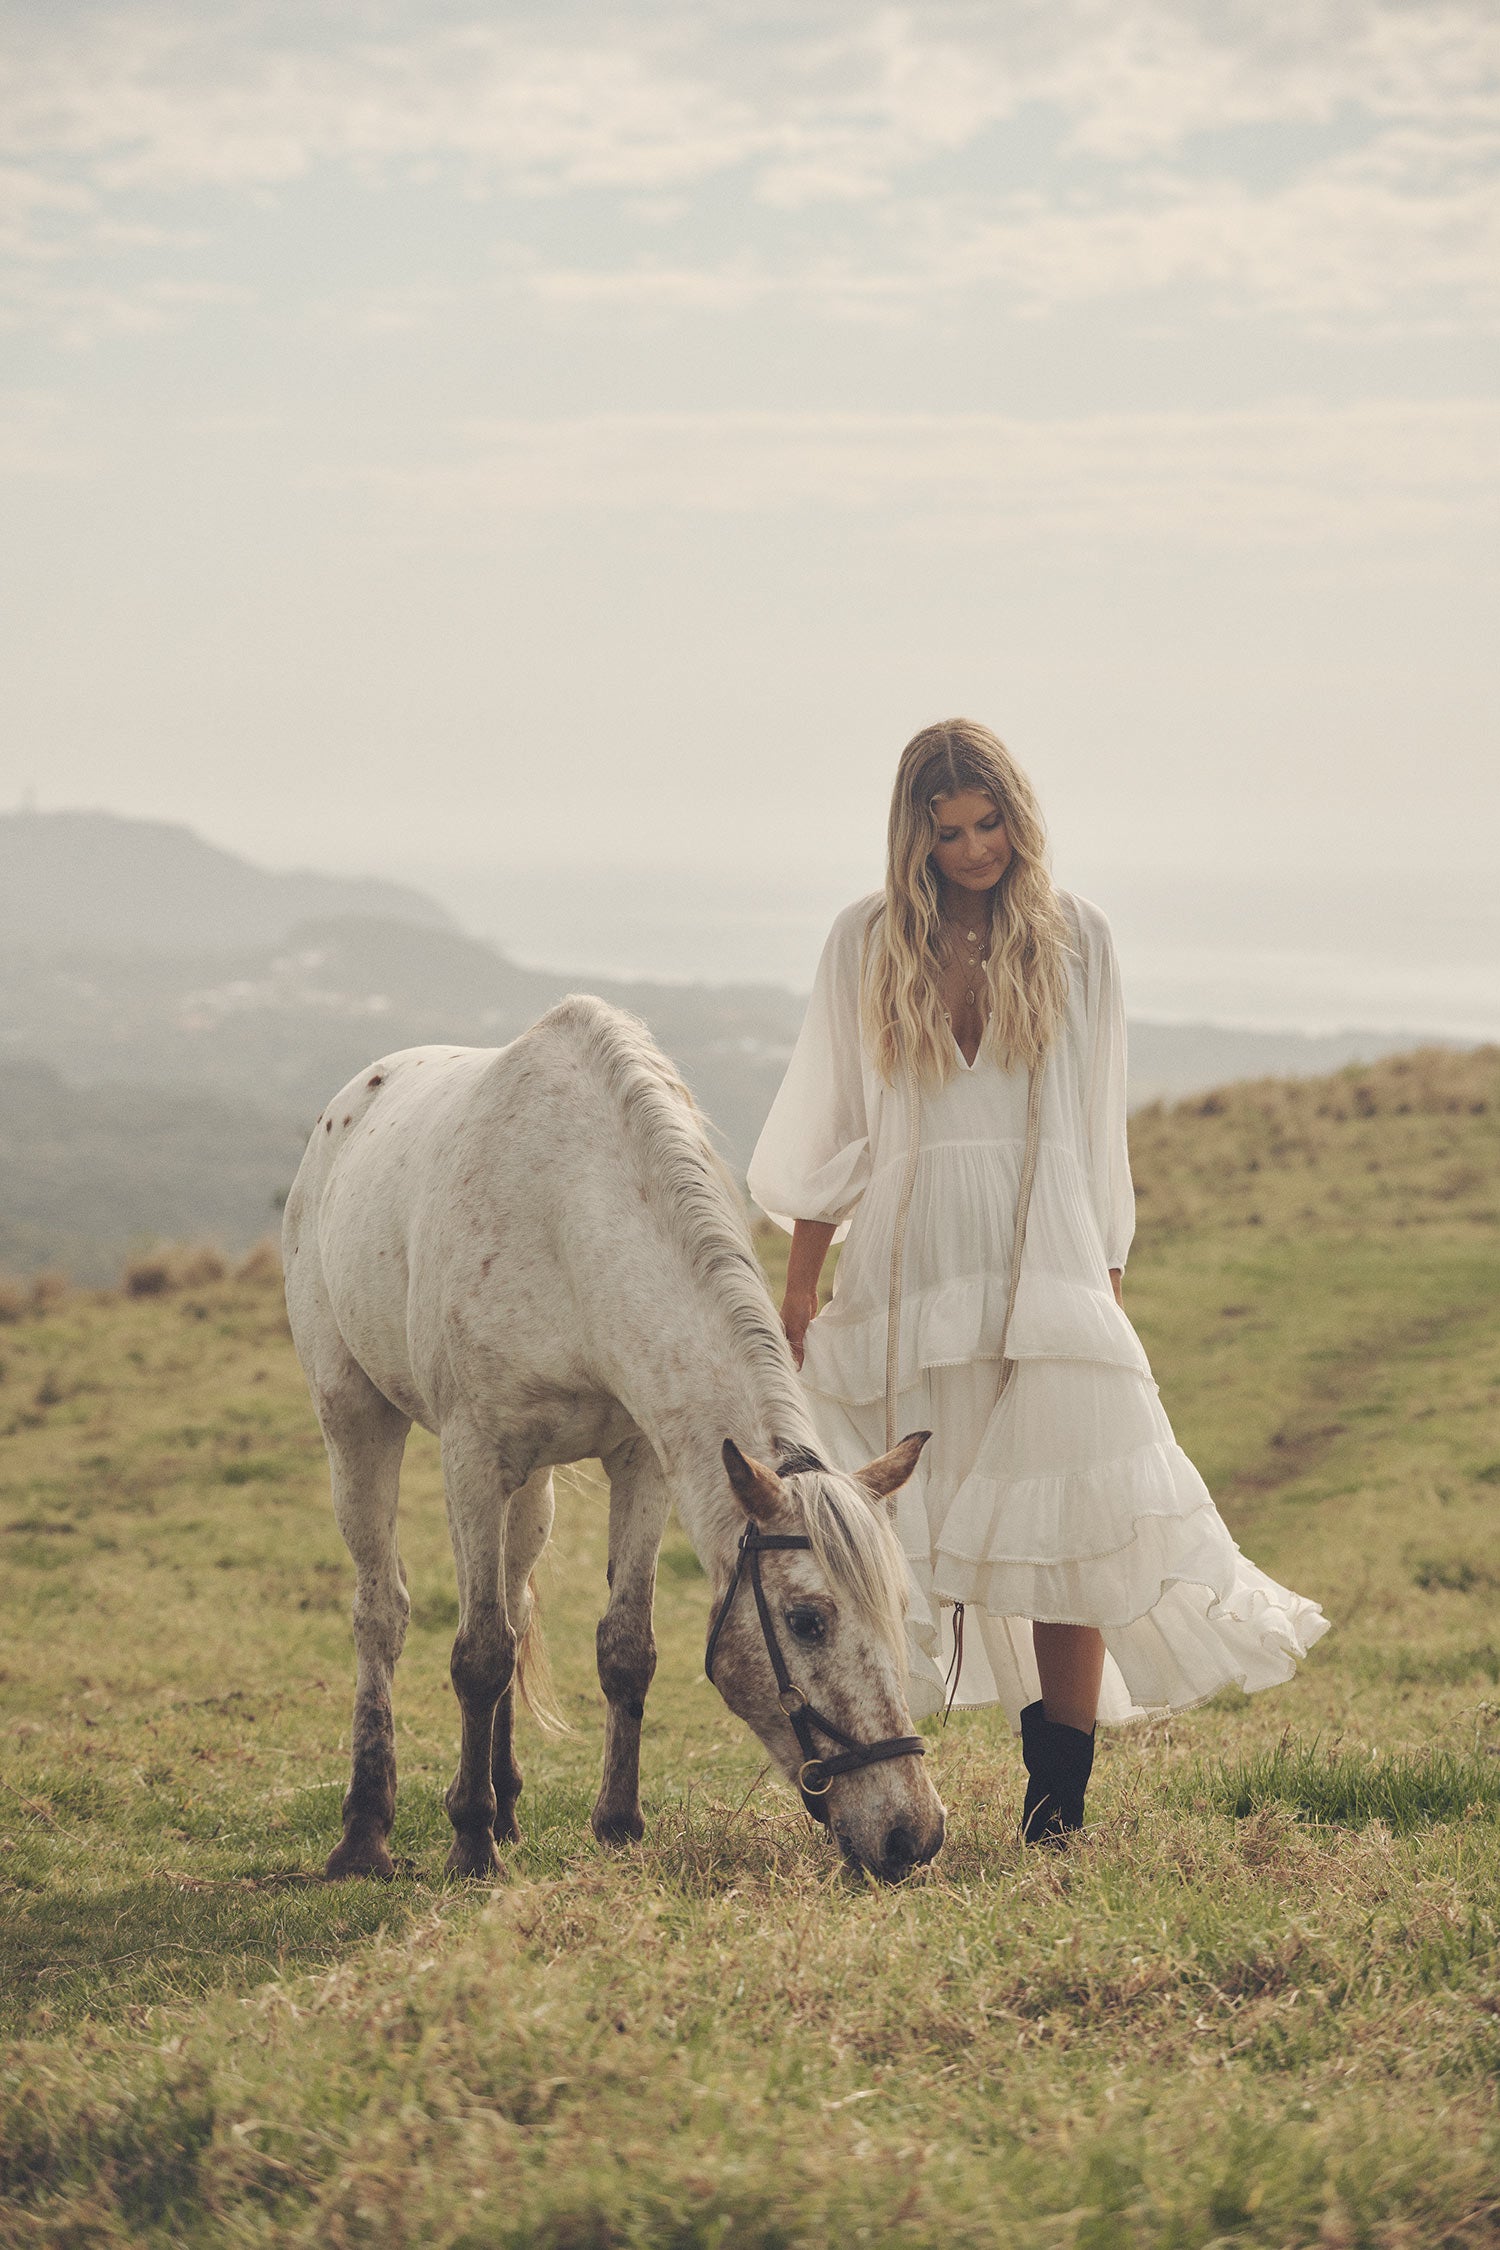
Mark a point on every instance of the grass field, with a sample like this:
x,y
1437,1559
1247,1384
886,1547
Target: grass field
x,y
1258,2004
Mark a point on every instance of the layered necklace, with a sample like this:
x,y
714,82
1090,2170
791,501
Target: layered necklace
x,y
967,940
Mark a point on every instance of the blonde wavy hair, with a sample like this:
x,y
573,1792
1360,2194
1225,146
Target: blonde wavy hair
x,y
901,1012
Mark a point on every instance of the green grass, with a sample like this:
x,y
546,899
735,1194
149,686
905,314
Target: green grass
x,y
1257,2005
1350,1788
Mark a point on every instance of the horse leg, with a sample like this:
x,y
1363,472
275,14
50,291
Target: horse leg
x,y
638,1504
528,1527
366,1437
484,1649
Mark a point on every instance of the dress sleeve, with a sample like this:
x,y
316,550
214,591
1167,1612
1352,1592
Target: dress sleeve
x,y
812,1160
1104,1090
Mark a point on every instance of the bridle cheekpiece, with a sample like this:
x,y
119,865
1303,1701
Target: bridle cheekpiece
x,y
818,1772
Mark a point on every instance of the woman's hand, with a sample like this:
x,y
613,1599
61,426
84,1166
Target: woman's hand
x,y
804,1266
799,1309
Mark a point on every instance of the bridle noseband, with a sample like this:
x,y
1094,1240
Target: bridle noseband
x,y
817,1774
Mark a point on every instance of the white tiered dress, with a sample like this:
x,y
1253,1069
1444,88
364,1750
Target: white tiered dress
x,y
1068,1498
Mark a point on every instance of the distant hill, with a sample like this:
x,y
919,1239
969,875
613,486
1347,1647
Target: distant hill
x,y
283,1025
90,1174
180,1087
173,1018
97,882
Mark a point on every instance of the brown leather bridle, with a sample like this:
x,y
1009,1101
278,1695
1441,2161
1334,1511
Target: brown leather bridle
x,y
817,1773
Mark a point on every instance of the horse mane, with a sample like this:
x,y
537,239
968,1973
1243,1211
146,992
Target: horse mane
x,y
696,1197
856,1548
690,1187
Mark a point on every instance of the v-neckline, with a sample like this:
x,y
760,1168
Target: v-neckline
x,y
969,1067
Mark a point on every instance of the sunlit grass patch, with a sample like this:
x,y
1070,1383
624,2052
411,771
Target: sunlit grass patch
x,y
1402,1666
254,1470
1350,1787
164,1942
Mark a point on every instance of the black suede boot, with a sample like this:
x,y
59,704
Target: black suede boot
x,y
1059,1760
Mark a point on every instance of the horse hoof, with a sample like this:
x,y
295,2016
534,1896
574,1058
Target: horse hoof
x,y
473,1858
359,1855
616,1830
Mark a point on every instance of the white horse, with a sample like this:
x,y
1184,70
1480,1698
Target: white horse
x,y
533,1251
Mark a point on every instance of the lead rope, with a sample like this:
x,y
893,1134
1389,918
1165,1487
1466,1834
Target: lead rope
x,y
898,1258
1008,1366
1023,1208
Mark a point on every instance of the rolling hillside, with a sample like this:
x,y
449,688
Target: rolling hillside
x,y
1254,2005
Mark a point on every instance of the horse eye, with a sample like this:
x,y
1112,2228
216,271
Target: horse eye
x,y
806,1623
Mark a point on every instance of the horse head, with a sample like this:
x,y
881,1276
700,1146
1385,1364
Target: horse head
x,y
808,1647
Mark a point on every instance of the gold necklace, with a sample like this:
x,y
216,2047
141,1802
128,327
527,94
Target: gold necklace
x,y
976,957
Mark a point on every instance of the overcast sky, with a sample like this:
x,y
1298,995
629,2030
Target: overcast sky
x,y
559,453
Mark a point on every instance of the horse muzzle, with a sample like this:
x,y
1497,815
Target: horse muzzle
x,y
901,1848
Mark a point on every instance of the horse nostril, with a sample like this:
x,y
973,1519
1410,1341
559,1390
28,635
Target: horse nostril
x,y
900,1851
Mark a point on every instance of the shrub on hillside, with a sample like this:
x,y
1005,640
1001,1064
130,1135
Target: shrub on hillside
x,y
198,1266
48,1291
150,1276
43,1293
262,1262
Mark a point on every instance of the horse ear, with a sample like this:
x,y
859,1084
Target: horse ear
x,y
757,1488
887,1475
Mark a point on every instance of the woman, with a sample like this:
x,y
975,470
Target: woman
x,y
962,1068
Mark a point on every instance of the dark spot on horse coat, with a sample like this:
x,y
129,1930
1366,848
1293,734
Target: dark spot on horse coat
x,y
328,1128
488,1262
346,1120
377,1080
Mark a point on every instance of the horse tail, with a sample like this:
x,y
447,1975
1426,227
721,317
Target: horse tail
x,y
534,1682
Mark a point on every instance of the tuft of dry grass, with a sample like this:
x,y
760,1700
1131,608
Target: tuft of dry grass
x,y
199,1265
38,1296
261,1263
48,1290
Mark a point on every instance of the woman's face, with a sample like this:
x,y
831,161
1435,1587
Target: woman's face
x,y
972,849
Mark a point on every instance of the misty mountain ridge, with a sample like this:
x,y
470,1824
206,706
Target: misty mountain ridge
x,y
99,881
172,1019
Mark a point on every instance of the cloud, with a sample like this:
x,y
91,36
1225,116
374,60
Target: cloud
x,y
1295,476
1320,162
1367,238
162,102
80,314
34,440
33,207
1362,237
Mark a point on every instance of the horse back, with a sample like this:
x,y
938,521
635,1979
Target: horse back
x,y
449,1201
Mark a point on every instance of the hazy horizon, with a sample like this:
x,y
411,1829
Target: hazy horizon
x,y
1265,958
1296,960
